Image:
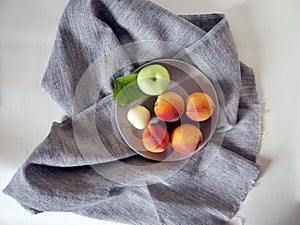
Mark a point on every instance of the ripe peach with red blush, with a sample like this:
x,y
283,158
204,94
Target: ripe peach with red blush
x,y
186,138
169,106
155,138
199,106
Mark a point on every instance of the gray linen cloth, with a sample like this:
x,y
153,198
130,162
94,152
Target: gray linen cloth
x,y
207,189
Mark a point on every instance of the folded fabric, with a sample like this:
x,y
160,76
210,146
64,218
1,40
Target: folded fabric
x,y
71,172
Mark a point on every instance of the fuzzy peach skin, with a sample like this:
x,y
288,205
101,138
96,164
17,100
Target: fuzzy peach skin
x,y
169,106
199,106
186,138
155,138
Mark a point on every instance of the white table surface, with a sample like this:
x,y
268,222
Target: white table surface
x,y
267,35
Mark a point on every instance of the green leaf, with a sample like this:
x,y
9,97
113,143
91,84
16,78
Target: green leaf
x,y
126,90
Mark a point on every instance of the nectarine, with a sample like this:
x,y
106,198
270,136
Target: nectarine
x,y
186,138
155,138
169,106
199,106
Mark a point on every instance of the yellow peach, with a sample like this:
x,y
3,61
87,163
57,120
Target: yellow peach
x,y
169,106
186,138
155,138
199,106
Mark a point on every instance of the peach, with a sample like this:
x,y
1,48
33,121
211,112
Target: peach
x,y
155,138
169,106
199,106
186,138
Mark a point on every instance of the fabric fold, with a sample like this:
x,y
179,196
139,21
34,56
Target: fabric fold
x,y
83,163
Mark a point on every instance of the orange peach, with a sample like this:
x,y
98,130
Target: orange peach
x,y
155,138
186,138
169,106
199,106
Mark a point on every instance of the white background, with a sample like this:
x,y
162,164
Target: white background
x,y
268,36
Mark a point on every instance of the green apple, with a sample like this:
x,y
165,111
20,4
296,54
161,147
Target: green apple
x,y
153,79
139,116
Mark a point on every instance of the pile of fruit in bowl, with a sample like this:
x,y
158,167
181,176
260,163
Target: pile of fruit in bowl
x,y
169,107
